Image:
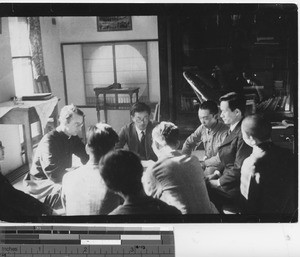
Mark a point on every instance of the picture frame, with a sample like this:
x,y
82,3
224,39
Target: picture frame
x,y
114,23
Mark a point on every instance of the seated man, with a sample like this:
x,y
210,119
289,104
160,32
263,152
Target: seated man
x,y
54,155
224,184
83,190
137,134
176,178
268,175
211,133
18,206
122,171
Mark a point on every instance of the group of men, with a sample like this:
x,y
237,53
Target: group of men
x,y
241,167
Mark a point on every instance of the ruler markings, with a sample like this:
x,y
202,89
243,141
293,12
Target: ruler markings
x,y
65,242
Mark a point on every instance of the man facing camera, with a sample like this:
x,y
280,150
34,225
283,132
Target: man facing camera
x,y
211,133
54,156
83,190
268,175
224,184
138,134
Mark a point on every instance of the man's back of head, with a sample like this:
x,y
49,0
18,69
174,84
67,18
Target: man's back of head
x,y
256,127
122,172
101,138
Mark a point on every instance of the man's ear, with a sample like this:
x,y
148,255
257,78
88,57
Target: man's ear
x,y
238,112
87,149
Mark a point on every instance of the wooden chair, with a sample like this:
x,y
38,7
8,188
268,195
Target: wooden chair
x,y
42,84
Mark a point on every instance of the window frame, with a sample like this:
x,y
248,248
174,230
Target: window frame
x,y
104,43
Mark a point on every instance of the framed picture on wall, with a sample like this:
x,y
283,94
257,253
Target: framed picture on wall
x,y
114,23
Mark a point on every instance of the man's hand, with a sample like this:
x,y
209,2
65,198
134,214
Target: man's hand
x,y
215,175
214,183
210,177
203,166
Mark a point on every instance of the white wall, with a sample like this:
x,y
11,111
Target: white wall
x,y
84,29
52,56
9,134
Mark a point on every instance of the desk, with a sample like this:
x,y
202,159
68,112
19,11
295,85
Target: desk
x,y
116,104
27,112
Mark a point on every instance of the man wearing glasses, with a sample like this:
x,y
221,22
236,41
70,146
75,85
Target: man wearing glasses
x,y
137,135
54,156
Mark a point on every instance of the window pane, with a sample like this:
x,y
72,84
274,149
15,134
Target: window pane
x,y
131,66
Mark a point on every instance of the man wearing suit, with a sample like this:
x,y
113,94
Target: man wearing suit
x,y
268,175
137,135
224,184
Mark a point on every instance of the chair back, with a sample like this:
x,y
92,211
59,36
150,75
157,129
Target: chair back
x,y
42,84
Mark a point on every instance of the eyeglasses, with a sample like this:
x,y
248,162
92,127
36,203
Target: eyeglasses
x,y
139,120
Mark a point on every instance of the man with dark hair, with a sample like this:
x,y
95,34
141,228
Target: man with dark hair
x,y
137,134
224,184
54,155
268,175
211,133
83,190
122,171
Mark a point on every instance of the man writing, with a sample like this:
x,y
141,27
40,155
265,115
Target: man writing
x,y
211,133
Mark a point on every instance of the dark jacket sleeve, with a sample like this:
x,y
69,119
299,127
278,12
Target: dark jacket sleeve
x,y
50,159
232,171
122,137
15,203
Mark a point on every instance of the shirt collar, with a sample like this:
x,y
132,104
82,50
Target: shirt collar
x,y
232,127
139,131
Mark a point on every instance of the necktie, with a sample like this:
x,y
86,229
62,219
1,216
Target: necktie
x,y
143,149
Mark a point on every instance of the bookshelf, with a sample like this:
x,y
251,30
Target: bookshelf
x,y
251,49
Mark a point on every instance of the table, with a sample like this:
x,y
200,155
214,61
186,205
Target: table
x,y
116,104
27,112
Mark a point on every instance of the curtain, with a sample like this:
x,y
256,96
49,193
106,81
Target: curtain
x,y
36,46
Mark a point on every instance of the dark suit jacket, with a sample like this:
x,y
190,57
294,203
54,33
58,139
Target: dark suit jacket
x,y
128,135
232,152
276,190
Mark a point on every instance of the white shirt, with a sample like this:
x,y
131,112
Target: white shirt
x,y
232,127
139,132
248,171
84,192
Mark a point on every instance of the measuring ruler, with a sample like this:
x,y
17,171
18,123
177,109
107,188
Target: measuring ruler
x,y
64,241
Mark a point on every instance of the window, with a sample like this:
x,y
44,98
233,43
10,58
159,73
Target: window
x,y
124,63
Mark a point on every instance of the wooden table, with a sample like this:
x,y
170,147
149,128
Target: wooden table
x,y
116,105
27,112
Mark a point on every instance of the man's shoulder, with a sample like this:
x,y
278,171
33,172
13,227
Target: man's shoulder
x,y
222,127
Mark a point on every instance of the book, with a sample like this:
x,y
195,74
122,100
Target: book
x,y
37,97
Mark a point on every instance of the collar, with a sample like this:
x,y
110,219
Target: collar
x,y
139,131
233,126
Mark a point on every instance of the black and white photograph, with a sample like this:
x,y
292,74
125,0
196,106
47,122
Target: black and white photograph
x,y
176,113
